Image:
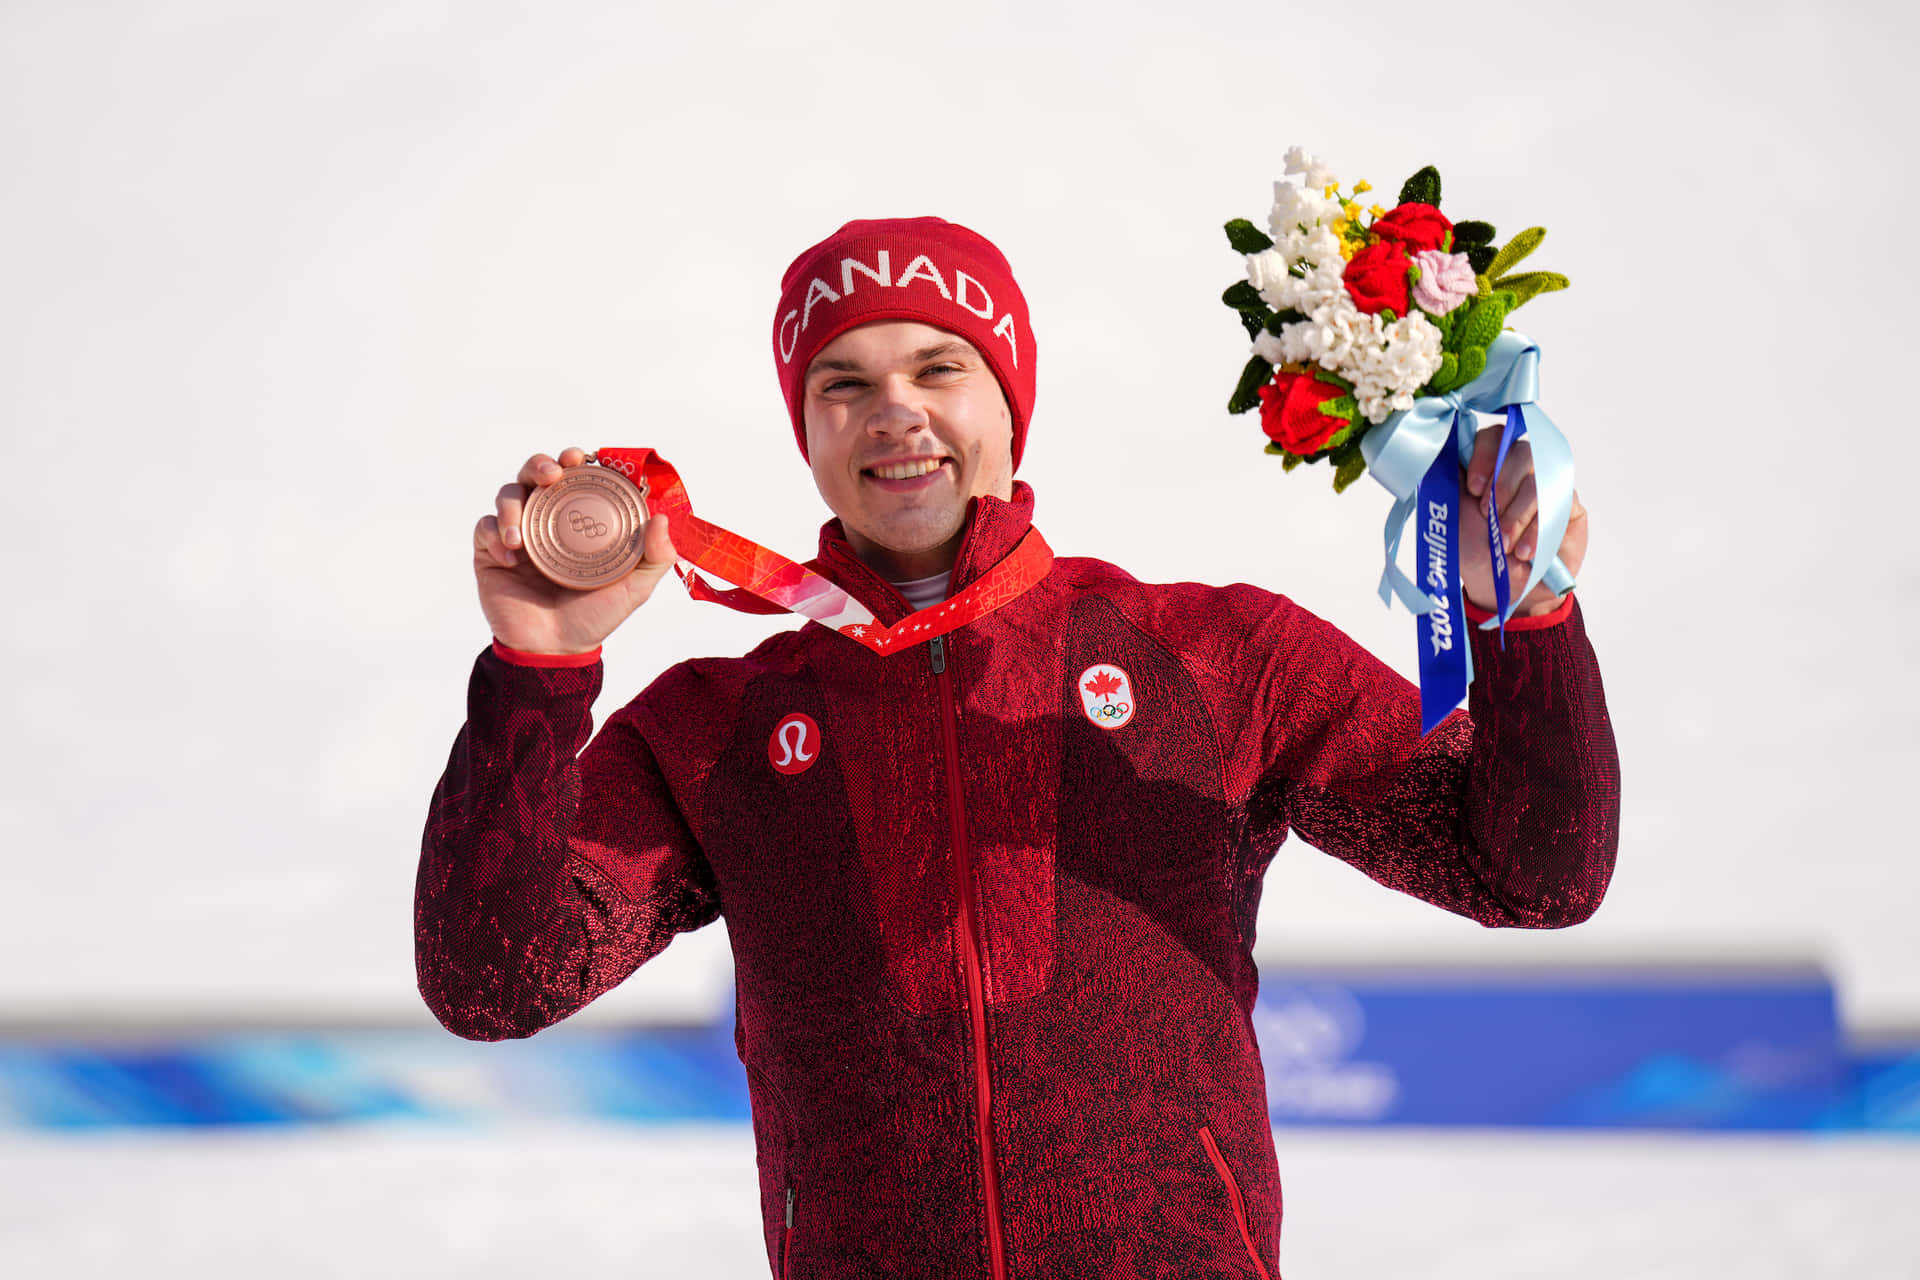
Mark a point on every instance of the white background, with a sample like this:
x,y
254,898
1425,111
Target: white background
x,y
287,291
315,1204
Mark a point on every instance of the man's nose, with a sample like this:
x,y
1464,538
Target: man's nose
x,y
897,409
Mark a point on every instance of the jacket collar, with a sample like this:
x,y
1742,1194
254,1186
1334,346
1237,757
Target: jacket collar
x,y
994,527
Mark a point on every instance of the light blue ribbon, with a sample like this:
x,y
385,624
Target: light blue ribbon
x,y
1399,451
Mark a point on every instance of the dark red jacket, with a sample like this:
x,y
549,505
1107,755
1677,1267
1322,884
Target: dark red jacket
x,y
993,961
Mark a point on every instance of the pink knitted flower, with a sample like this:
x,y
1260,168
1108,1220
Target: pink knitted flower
x,y
1446,280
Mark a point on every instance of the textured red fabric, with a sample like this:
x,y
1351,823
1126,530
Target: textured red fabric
x,y
1539,621
523,658
1112,878
926,269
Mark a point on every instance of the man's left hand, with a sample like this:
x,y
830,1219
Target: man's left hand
x,y
1519,526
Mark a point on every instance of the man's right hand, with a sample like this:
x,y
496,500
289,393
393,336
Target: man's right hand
x,y
529,612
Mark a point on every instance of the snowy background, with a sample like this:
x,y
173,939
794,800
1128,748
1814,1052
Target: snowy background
x,y
290,290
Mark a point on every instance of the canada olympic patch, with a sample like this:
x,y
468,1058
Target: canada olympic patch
x,y
1106,695
795,744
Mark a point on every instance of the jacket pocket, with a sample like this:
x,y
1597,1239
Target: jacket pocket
x,y
1234,1199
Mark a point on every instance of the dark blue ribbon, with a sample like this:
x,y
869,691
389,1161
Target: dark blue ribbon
x,y
1445,667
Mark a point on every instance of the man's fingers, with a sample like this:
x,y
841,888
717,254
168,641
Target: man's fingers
x,y
1517,515
506,509
573,456
1486,443
486,539
1517,469
539,469
657,552
1523,544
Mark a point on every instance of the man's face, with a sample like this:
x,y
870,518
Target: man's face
x,y
905,422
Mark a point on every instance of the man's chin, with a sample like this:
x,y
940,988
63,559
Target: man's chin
x,y
910,540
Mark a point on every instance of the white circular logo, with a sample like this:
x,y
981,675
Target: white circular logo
x,y
795,744
1106,695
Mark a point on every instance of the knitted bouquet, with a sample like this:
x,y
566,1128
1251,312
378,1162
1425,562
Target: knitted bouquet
x,y
1357,312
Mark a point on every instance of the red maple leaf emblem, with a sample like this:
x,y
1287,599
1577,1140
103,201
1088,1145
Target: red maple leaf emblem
x,y
1103,685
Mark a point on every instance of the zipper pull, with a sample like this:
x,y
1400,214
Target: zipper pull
x,y
939,647
789,1206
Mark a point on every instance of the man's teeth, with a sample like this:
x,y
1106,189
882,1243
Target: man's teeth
x,y
907,470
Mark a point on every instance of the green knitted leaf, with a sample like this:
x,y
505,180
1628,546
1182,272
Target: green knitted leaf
x,y
1247,238
1446,377
1422,188
1483,326
1242,296
1252,322
1288,461
1516,249
1281,319
1349,464
1340,407
1338,439
1473,363
1531,284
1471,235
1247,394
1480,257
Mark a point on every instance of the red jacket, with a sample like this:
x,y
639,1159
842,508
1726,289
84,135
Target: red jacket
x,y
994,959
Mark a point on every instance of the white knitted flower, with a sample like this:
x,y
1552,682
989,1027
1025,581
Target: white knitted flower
x,y
1295,207
1305,163
1267,273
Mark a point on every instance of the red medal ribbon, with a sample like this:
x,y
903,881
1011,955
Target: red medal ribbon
x,y
767,582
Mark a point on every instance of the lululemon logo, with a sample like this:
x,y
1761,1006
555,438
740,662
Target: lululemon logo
x,y
1106,695
795,744
580,522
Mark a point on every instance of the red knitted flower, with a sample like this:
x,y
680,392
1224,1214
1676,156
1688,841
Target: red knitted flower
x,y
1414,226
1376,277
1290,412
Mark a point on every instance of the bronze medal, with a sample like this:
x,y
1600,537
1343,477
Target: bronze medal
x,y
586,529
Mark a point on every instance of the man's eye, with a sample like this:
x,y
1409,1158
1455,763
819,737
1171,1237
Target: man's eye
x,y
841,384
938,370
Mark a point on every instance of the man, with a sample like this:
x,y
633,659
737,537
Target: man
x,y
991,898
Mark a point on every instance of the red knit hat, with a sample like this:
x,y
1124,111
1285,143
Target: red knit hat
x,y
924,269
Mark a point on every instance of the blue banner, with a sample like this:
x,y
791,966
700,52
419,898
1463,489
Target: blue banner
x,y
1632,1050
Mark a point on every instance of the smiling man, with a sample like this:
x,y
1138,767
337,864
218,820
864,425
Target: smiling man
x,y
991,897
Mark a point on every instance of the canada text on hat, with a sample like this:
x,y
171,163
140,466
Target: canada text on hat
x,y
924,269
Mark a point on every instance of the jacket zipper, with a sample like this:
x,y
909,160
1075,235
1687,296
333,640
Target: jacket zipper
x,y
786,1241
1233,1195
970,954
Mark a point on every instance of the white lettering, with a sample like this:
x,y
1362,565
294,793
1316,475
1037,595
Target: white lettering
x,y
1005,330
1440,622
932,273
960,282
815,291
786,345
876,274
1435,537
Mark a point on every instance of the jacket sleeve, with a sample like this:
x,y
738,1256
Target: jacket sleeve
x,y
1508,813
546,880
